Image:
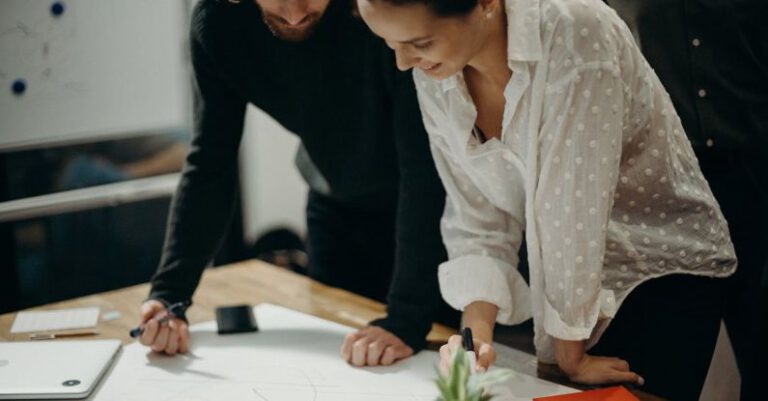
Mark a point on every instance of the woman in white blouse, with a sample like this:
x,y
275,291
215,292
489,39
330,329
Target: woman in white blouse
x,y
545,119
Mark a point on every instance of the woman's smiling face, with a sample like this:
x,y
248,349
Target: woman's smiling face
x,y
439,46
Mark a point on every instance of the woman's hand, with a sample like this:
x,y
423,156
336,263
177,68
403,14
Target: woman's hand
x,y
587,369
484,351
480,316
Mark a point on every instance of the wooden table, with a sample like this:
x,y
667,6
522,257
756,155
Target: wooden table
x,y
253,282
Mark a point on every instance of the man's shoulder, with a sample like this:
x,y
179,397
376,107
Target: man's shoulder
x,y
217,22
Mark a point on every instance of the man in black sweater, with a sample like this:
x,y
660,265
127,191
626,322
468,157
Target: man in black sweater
x,y
375,200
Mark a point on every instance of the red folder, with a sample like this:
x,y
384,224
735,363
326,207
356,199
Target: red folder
x,y
617,393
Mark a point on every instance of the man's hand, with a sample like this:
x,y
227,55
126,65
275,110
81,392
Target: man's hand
x,y
168,338
373,346
592,370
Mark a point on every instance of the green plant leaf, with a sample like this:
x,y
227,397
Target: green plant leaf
x,y
462,385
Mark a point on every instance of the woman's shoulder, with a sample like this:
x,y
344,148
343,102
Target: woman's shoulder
x,y
433,102
581,34
430,91
584,26
576,12
422,80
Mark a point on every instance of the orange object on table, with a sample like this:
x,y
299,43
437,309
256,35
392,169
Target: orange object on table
x,y
617,393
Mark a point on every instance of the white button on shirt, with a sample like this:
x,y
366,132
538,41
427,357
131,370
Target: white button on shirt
x,y
593,165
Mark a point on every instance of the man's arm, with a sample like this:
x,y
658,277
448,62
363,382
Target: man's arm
x,y
204,202
414,294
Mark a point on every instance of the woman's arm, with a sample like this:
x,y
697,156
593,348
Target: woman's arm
x,y
480,316
586,111
482,240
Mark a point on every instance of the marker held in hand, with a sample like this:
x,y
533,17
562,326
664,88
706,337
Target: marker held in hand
x,y
469,346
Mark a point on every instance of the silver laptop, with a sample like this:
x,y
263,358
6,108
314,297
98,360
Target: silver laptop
x,y
41,370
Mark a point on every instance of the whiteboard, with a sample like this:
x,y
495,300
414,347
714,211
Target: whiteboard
x,y
294,357
102,68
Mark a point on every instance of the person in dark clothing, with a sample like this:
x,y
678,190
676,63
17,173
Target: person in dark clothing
x,y
712,57
375,198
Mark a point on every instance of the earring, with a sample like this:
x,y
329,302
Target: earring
x,y
489,15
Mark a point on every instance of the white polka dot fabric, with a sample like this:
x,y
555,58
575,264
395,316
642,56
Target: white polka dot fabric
x,y
593,165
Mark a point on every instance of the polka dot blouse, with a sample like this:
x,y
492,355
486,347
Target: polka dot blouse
x,y
592,167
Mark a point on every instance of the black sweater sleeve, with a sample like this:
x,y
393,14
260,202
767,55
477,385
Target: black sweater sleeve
x,y
414,295
204,202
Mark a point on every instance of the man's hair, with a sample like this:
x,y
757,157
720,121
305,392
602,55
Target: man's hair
x,y
442,8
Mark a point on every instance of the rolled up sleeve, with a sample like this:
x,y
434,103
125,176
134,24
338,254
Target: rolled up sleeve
x,y
482,242
580,165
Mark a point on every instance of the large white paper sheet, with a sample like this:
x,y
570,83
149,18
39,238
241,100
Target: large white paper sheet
x,y
294,357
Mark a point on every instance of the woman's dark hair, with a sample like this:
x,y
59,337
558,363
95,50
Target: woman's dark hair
x,y
442,8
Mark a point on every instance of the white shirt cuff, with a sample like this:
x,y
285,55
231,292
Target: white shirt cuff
x,y
472,278
555,326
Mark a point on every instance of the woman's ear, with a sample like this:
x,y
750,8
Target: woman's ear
x,y
489,8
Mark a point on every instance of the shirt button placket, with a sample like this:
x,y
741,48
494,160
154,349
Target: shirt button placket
x,y
696,42
701,92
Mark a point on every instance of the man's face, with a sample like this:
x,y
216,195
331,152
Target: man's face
x,y
292,20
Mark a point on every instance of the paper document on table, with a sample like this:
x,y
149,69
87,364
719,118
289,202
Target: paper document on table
x,y
61,319
293,357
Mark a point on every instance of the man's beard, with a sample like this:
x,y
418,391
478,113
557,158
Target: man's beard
x,y
284,31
